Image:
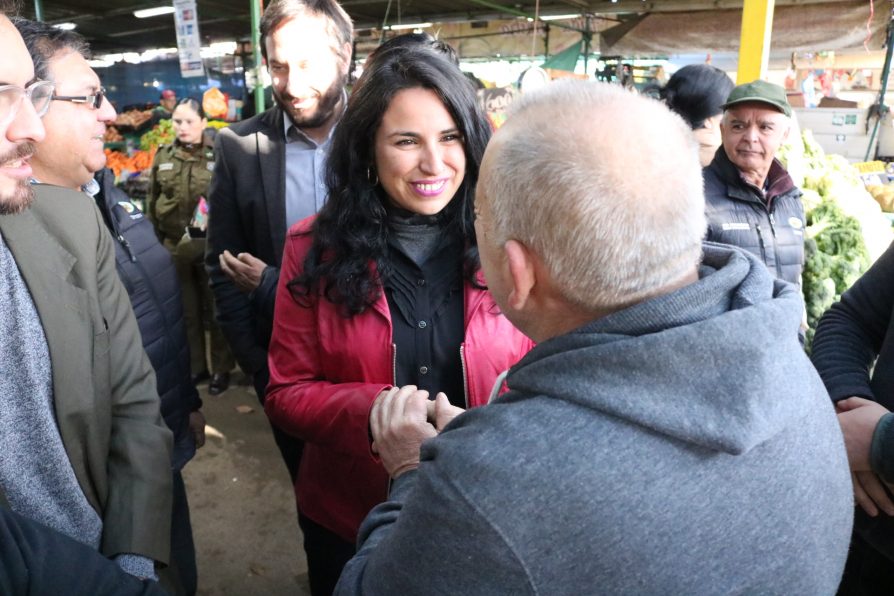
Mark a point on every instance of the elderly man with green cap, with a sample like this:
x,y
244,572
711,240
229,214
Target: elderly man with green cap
x,y
750,199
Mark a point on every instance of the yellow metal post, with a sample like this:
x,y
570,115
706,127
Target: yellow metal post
x,y
754,47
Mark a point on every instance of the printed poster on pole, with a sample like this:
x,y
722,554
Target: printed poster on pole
x,y
189,44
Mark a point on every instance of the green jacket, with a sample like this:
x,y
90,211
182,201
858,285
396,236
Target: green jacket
x,y
104,392
179,176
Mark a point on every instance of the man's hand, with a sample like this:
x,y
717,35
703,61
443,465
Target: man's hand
x,y
197,427
398,421
441,411
858,418
245,270
869,493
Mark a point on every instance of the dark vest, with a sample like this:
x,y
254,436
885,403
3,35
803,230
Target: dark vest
x,y
147,272
738,214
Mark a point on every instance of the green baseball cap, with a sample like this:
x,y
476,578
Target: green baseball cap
x,y
760,91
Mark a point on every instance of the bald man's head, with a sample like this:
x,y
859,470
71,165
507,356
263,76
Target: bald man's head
x,y
603,185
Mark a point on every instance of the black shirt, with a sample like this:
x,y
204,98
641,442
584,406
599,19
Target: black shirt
x,y
424,291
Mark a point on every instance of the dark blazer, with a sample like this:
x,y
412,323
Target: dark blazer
x,y
247,213
104,392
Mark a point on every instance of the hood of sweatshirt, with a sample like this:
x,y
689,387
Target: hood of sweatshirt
x,y
705,364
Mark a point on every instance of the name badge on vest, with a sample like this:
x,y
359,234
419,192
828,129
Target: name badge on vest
x,y
164,167
736,226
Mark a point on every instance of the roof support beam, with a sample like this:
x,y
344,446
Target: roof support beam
x,y
754,47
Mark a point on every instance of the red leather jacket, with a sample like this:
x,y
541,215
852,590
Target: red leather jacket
x,y
325,372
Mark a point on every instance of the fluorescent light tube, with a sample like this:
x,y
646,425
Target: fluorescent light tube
x,y
153,12
409,26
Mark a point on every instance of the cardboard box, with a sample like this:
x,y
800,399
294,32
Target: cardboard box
x,y
795,99
834,102
853,147
846,121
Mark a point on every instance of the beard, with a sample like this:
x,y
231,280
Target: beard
x,y
321,113
22,194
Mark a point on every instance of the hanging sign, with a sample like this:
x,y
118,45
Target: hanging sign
x,y
189,44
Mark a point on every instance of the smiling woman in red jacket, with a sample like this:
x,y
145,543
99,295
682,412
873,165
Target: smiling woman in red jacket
x,y
383,289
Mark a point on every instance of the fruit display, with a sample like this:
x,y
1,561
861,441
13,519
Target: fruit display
x,y
121,163
883,195
112,135
162,134
846,230
218,124
133,118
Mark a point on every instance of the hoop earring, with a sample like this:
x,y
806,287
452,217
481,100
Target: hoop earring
x,y
372,177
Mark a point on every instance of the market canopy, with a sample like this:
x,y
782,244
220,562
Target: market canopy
x,y
838,26
111,27
566,59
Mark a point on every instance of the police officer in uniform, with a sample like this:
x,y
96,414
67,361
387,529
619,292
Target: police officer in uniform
x,y
181,173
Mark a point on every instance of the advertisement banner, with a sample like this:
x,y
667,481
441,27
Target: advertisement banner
x,y
189,44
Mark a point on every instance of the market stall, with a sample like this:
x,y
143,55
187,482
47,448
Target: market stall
x,y
845,230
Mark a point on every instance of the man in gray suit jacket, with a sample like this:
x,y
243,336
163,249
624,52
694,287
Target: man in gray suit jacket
x,y
83,448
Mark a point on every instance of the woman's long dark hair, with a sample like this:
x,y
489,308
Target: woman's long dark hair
x,y
351,230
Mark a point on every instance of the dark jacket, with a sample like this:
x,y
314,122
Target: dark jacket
x,y
618,463
247,213
37,560
738,214
147,272
853,350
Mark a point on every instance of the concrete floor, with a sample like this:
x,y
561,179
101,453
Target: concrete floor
x,y
242,505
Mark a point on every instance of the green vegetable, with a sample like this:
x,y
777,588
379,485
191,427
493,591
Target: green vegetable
x,y
162,134
834,244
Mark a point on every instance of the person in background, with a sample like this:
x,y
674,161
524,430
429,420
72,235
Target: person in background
x,y
178,187
697,93
269,174
165,108
853,350
751,201
667,435
69,157
84,448
413,40
383,289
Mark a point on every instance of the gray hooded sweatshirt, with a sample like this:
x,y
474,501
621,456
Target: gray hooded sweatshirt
x,y
684,445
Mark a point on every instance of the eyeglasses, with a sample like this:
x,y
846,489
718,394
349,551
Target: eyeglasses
x,y
38,93
94,100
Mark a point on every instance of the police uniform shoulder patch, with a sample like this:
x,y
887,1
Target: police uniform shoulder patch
x,y
127,206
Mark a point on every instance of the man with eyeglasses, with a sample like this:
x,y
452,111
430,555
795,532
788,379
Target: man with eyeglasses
x,y
83,448
76,120
144,265
15,188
